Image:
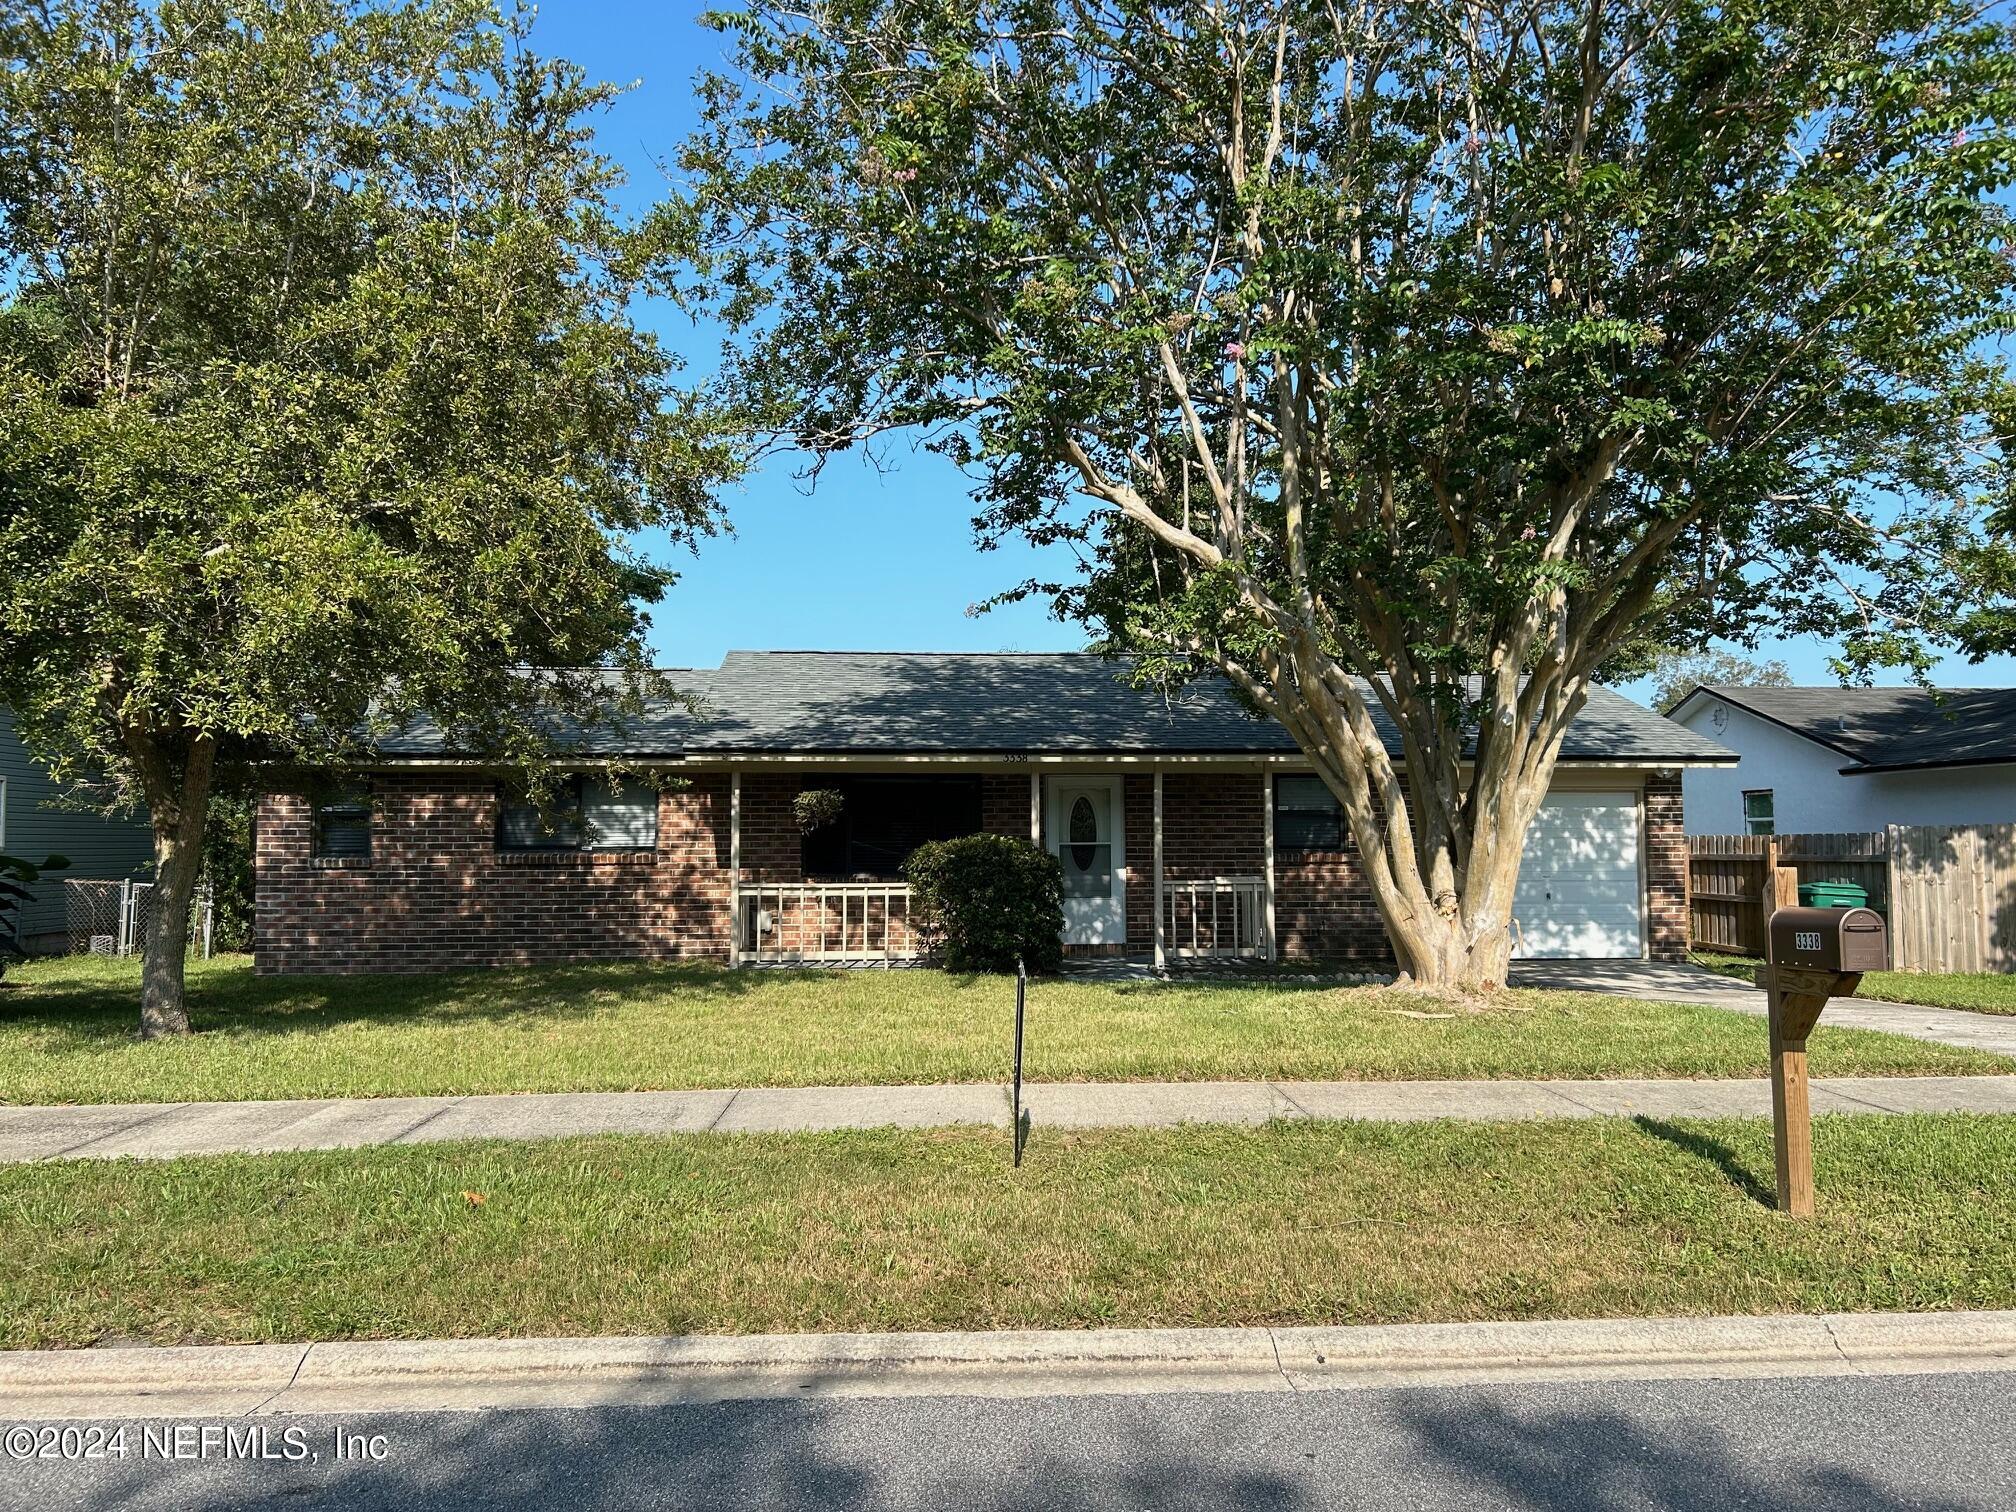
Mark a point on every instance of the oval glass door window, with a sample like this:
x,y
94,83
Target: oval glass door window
x,y
1088,864
1084,833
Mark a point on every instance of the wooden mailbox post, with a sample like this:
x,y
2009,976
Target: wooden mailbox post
x,y
1815,954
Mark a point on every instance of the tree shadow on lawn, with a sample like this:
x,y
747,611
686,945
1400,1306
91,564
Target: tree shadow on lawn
x,y
239,1003
101,1010
1716,1153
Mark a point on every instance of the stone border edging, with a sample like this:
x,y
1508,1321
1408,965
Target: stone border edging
x,y
473,1374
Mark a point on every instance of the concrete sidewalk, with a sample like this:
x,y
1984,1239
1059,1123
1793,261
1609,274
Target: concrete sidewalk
x,y
156,1130
1675,982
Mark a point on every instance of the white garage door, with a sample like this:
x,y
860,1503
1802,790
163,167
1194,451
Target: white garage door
x,y
1578,890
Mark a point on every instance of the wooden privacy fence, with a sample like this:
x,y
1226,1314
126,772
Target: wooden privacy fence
x,y
1953,897
1948,891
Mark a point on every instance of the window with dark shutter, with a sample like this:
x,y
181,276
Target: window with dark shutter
x,y
343,824
1306,815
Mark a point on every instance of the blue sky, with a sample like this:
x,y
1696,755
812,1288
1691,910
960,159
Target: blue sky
x,y
872,559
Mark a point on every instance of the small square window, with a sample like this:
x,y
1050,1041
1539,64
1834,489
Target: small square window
x,y
1307,815
343,824
1759,816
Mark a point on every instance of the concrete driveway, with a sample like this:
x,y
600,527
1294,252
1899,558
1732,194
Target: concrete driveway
x,y
1676,982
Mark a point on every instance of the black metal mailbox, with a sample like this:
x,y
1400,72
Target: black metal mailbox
x,y
1830,939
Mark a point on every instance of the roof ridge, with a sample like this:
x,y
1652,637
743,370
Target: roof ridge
x,y
811,651
1851,688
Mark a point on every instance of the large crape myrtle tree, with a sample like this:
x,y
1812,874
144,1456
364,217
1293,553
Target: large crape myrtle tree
x,y
1414,363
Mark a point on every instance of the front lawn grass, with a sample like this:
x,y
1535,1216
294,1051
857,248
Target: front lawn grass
x,y
1975,991
1316,1223
66,1033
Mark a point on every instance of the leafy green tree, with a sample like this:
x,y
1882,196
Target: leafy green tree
x,y
1404,361
1678,673
321,407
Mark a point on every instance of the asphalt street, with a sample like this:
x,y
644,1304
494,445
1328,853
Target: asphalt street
x,y
1873,1444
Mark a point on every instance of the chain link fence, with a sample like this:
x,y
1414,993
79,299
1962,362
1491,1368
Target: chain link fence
x,y
115,918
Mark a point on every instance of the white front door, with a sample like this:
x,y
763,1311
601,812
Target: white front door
x,y
1085,830
1579,893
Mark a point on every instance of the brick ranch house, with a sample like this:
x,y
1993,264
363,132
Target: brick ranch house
x,y
1186,827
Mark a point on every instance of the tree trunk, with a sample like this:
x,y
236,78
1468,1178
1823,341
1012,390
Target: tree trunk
x,y
178,859
1466,949
1462,940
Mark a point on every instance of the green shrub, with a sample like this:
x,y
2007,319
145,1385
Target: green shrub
x,y
986,899
227,866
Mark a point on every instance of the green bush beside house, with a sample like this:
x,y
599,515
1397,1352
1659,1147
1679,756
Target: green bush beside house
x,y
987,901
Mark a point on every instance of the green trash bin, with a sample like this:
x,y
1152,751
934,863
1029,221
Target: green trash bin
x,y
1833,895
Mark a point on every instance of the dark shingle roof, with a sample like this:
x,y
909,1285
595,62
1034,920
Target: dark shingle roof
x,y
1887,729
871,703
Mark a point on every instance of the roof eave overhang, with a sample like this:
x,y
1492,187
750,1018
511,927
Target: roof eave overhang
x,y
722,759
1877,768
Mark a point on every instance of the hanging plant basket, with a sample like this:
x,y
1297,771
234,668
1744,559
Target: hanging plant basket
x,y
815,808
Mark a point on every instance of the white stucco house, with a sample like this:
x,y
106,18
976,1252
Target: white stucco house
x,y
1851,759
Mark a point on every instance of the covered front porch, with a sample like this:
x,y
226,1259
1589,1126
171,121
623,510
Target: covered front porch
x,y
1159,867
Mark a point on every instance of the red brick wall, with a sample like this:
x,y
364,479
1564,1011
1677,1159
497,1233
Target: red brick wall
x,y
1213,824
771,842
1665,868
1137,805
435,894
1323,907
1004,804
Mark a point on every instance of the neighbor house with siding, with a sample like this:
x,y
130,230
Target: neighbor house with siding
x,y
1186,827
1832,759
39,818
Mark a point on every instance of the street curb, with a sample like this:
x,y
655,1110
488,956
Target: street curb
x,y
473,1374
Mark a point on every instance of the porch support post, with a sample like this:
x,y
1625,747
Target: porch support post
x,y
735,868
1161,946
1267,829
1036,809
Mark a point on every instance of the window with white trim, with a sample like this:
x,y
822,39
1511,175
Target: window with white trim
x,y
1759,812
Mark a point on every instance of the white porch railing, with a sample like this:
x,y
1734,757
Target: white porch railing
x,y
825,921
1215,916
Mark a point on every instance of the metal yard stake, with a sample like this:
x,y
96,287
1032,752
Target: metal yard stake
x,y
1021,1127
